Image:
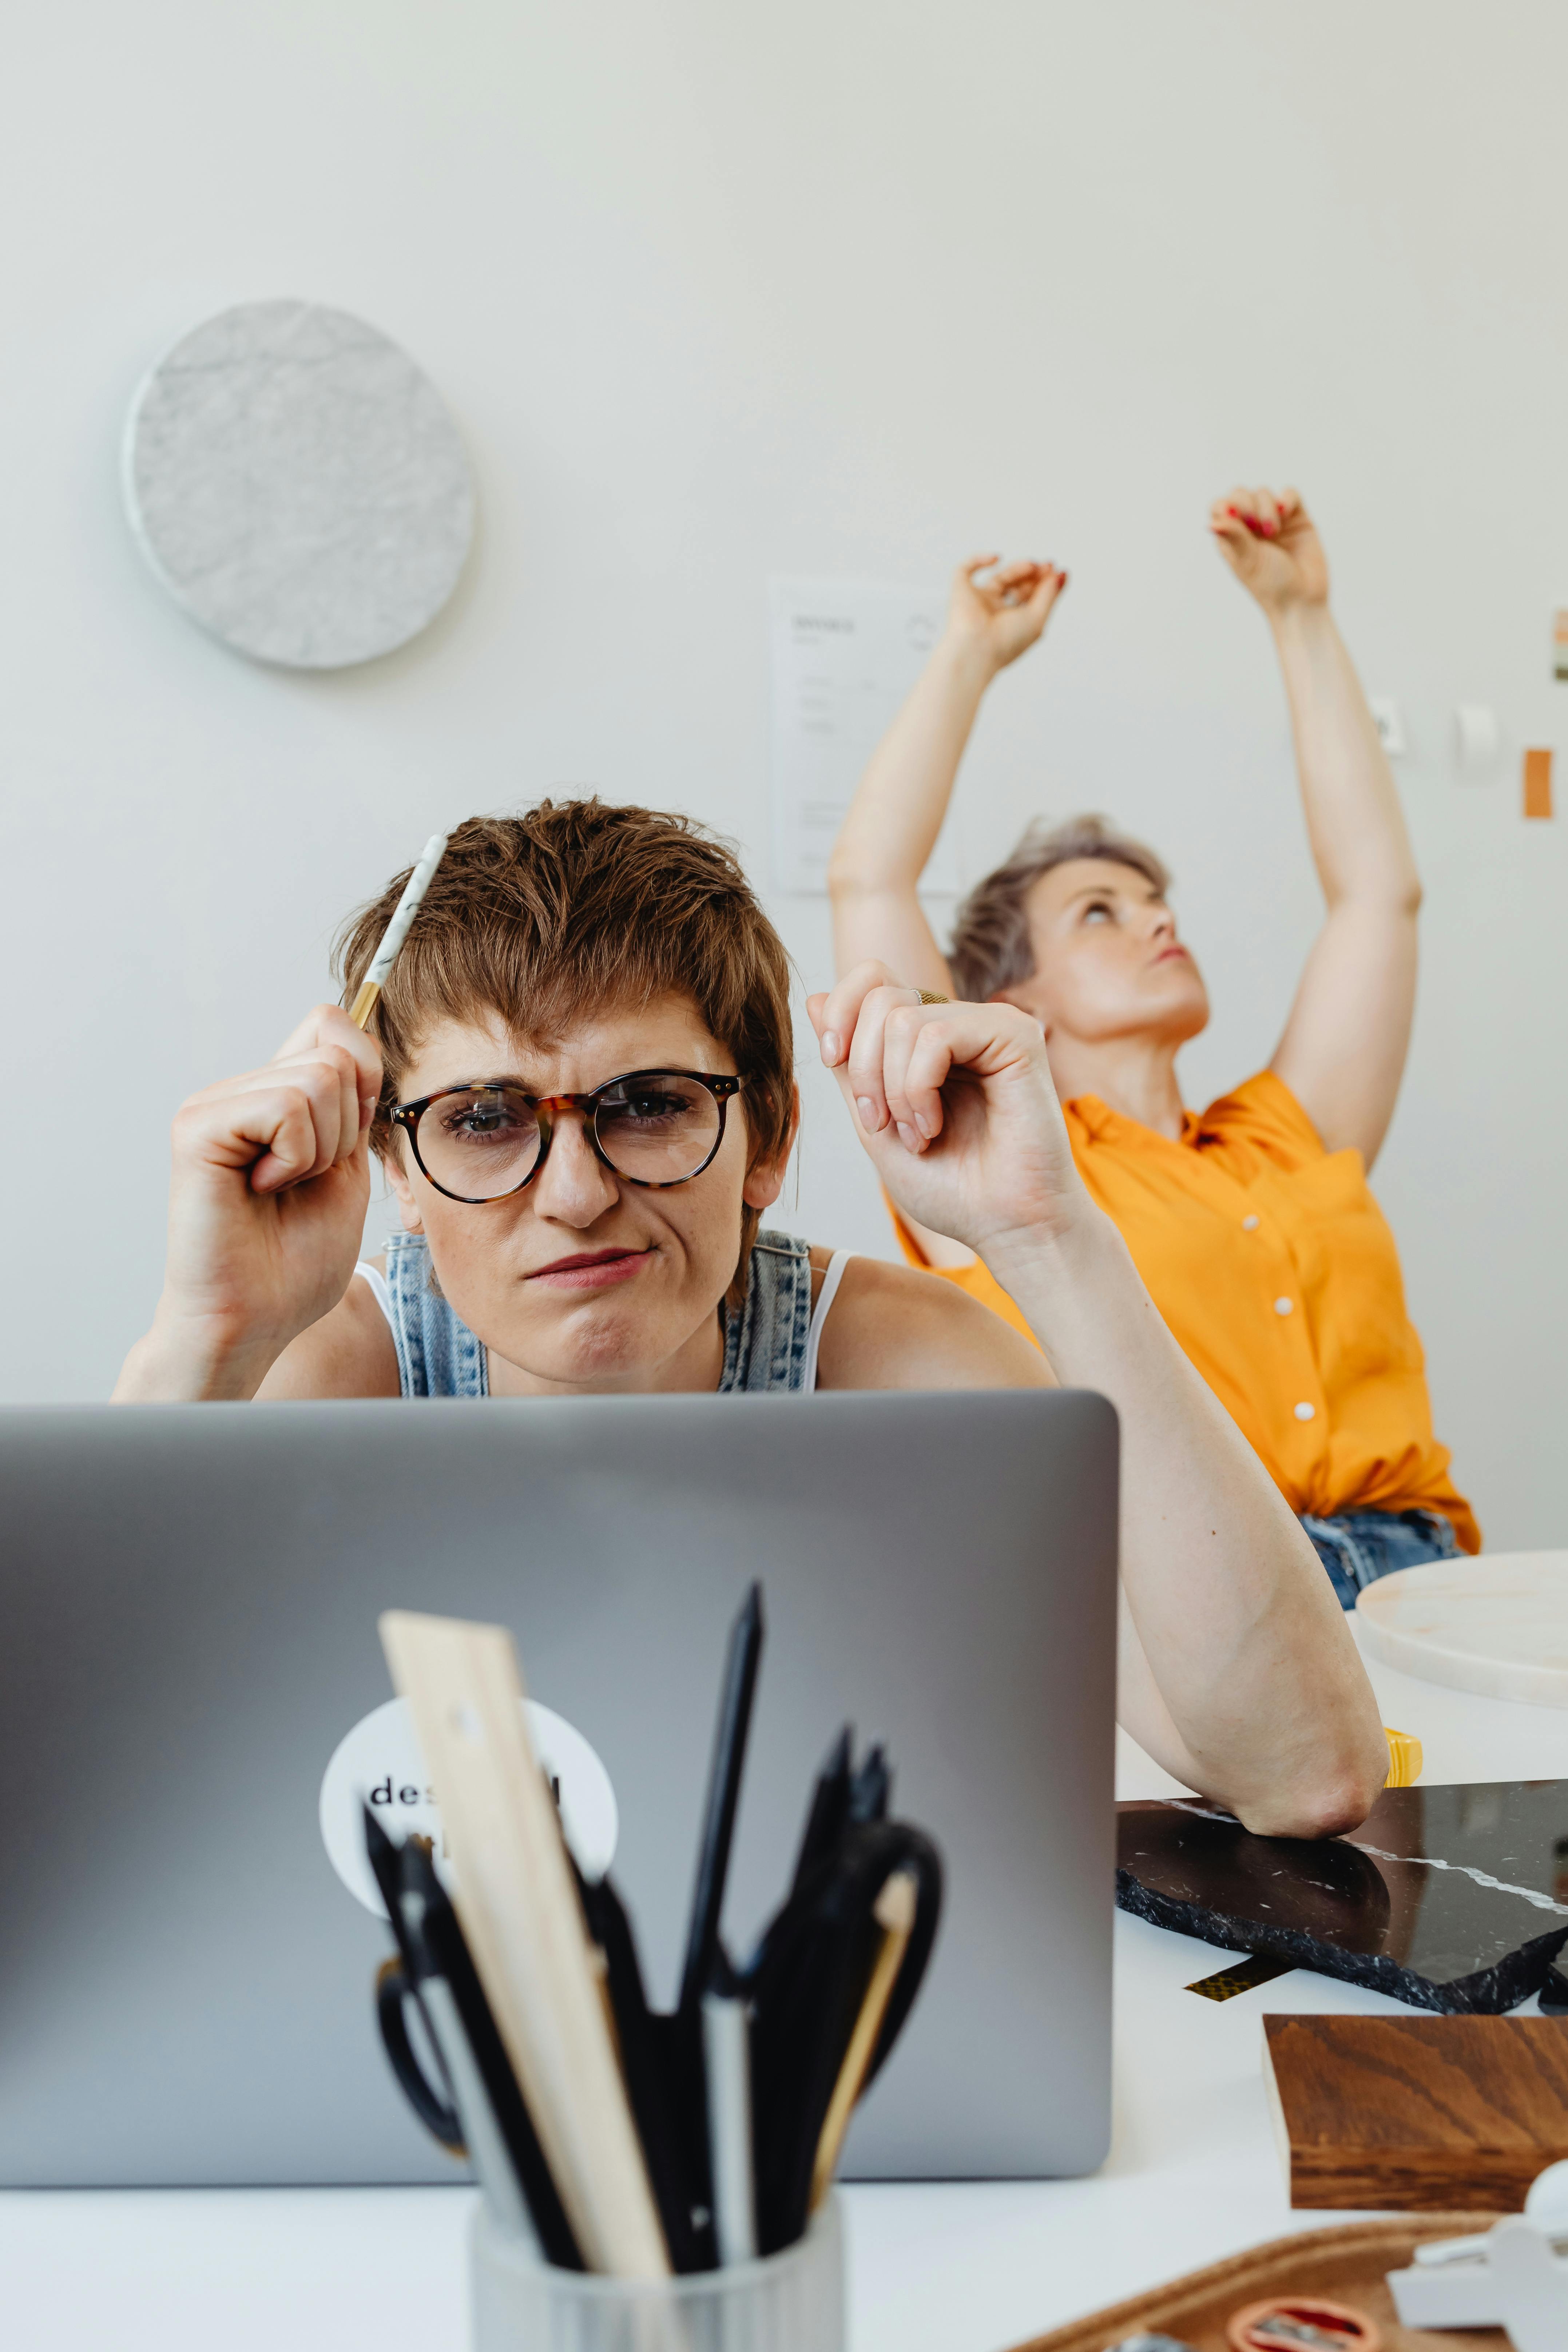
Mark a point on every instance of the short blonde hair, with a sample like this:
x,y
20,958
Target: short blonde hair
x,y
991,945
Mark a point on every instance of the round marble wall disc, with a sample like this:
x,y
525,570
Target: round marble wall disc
x,y
298,485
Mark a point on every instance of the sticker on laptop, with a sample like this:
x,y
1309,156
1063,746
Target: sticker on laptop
x,y
378,1763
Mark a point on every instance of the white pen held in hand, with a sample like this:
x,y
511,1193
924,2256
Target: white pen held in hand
x,y
397,932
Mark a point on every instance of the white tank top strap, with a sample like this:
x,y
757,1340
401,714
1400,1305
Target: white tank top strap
x,y
379,1291
825,1298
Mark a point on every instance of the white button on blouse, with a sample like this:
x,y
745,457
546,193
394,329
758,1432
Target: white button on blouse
x,y
1282,1306
1305,1412
1249,1224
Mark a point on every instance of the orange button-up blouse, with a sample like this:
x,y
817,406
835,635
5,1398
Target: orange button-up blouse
x,y
1277,1272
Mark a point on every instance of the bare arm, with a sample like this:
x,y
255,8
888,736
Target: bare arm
x,y
267,1204
897,813
1343,1052
1238,1670
348,1353
894,1327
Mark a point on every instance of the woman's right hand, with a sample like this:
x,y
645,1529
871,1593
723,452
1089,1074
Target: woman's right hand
x,y
266,1208
1002,617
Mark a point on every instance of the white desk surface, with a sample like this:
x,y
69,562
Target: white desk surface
x,y
1193,2175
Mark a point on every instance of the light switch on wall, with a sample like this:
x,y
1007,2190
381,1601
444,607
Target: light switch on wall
x,y
1389,720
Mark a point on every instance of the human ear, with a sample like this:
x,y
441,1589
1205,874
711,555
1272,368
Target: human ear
x,y
765,1177
763,1183
1021,1004
403,1193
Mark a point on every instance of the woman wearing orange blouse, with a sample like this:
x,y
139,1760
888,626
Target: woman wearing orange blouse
x,y
1251,1223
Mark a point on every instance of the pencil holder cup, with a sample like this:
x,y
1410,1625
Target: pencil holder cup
x,y
792,2301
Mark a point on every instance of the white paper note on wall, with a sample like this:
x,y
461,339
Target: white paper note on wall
x,y
844,655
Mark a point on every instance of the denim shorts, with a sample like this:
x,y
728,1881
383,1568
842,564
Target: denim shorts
x,y
1360,1546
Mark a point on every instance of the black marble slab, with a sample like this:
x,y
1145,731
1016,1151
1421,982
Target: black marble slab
x,y
1450,1898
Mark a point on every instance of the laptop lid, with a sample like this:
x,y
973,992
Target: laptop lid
x,y
189,1598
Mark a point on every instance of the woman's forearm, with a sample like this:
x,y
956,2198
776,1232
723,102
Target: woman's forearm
x,y
994,613
1360,843
190,1362
1343,1048
1254,1692
897,813
1241,1676
895,818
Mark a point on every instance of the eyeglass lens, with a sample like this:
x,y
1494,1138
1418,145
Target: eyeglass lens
x,y
485,1142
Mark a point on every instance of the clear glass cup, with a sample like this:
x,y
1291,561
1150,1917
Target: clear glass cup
x,y
793,2302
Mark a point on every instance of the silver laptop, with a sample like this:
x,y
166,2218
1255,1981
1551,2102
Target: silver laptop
x,y
194,1701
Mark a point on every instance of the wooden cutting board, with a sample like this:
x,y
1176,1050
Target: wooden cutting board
x,y
1347,2264
1418,2115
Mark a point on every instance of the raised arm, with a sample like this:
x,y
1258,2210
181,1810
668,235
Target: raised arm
x,y
268,1196
1237,1671
897,813
1343,1052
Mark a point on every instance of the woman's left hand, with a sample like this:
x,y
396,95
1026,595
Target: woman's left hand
x,y
1271,543
956,1106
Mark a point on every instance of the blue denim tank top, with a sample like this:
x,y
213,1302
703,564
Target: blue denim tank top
x,y
765,1346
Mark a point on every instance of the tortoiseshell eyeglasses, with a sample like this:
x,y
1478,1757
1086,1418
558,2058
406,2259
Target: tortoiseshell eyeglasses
x,y
654,1127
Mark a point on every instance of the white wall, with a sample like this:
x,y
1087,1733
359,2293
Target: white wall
x,y
850,287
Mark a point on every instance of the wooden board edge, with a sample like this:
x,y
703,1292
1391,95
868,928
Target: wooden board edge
x,y
1413,2180
1244,2277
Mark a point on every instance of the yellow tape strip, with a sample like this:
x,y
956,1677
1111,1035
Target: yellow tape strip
x,y
1260,1969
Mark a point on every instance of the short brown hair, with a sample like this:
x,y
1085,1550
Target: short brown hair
x,y
991,945
573,908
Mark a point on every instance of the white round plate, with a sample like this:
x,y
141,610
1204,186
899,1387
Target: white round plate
x,y
1496,1625
297,483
